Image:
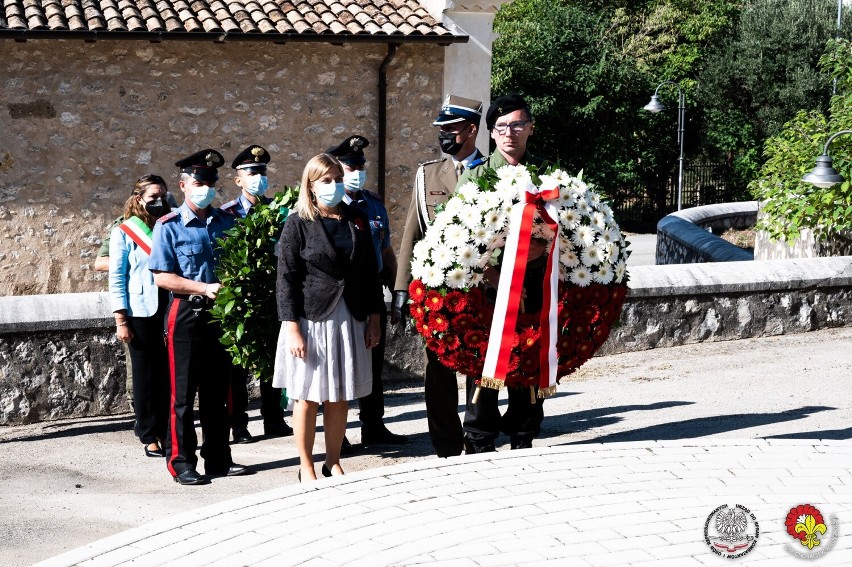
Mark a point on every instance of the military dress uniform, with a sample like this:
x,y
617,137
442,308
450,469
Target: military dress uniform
x,y
253,158
371,407
186,245
434,184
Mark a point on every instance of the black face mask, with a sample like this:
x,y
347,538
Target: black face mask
x,y
155,208
447,141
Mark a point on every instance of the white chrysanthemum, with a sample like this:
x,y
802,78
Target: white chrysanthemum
x,y
470,216
505,172
433,276
494,220
421,251
582,206
453,207
583,237
608,235
456,278
468,191
443,256
610,252
607,211
595,199
506,187
543,231
488,200
434,237
481,235
604,274
455,235
419,269
620,271
484,260
508,207
598,221
592,256
581,276
568,258
475,279
579,186
569,218
467,255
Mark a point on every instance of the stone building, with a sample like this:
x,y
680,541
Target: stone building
x,y
96,94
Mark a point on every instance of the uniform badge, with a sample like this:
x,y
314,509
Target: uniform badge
x,y
257,152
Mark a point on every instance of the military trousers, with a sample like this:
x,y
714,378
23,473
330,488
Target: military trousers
x,y
442,407
371,408
198,364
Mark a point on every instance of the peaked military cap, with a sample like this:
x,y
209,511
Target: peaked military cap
x,y
455,109
350,151
202,165
505,105
253,158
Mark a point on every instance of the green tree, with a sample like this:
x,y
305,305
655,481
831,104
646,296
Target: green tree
x,y
788,203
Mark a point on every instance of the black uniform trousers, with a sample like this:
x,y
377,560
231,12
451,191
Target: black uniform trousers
x,y
372,406
270,400
198,364
147,353
483,422
442,407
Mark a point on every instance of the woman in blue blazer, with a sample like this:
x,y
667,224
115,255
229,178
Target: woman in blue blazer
x,y
139,307
329,299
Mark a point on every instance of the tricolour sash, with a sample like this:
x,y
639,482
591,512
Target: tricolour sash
x,y
139,232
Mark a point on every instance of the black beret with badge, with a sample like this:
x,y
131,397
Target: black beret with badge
x,y
202,165
253,158
505,105
350,151
456,109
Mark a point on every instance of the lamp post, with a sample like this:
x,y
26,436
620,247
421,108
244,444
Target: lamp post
x,y
656,106
823,174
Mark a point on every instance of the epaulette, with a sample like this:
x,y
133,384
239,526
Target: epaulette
x,y
439,160
168,216
229,205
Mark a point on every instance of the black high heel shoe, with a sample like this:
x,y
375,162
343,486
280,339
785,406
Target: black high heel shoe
x,y
326,472
158,452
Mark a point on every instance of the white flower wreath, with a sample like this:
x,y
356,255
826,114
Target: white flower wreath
x,y
470,232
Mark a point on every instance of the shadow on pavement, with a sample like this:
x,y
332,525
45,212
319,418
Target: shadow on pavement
x,y
74,427
576,422
704,426
833,434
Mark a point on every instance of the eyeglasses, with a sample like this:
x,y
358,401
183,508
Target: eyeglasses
x,y
515,127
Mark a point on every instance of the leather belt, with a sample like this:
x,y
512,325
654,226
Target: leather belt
x,y
195,301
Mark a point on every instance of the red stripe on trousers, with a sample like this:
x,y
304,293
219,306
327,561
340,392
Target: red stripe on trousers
x,y
170,333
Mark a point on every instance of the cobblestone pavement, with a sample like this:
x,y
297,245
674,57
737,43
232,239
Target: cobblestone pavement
x,y
636,504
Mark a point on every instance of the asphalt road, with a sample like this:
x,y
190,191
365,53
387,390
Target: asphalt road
x,y
71,482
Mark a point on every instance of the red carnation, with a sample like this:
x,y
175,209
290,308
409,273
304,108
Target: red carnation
x,y
579,330
600,294
585,350
475,339
618,293
474,299
418,313
528,365
600,334
417,291
455,301
565,344
425,329
451,341
434,300
436,346
528,338
359,223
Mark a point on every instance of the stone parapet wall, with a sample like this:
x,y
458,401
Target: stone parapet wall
x,y
690,235
59,356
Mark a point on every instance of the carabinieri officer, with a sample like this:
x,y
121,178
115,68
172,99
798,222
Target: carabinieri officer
x,y
183,258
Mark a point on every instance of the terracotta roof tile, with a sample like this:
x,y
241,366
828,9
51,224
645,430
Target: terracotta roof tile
x,y
399,18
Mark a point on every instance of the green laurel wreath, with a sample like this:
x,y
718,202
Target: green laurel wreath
x,y
245,306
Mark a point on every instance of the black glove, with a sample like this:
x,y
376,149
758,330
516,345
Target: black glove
x,y
399,306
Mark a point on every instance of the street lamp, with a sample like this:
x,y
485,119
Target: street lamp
x,y
824,175
656,106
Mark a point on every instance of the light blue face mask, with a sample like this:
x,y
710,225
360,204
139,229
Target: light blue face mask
x,y
354,180
202,196
257,185
329,194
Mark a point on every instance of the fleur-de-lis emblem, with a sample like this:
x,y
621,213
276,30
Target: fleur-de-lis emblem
x,y
810,527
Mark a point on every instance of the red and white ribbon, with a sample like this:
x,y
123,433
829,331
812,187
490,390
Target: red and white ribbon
x,y
509,291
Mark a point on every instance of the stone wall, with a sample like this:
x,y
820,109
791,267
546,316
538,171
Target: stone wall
x,y
80,122
59,356
690,235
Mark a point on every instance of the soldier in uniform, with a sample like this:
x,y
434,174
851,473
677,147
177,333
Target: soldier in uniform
x,y
434,184
350,154
183,258
511,124
250,165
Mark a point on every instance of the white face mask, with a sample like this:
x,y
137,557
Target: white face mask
x,y
202,196
257,185
329,194
354,180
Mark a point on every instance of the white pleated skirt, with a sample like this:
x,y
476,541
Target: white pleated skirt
x,y
337,365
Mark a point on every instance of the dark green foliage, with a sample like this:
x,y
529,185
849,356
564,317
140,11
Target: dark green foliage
x,y
245,306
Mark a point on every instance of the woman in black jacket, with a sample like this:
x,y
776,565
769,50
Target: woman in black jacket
x,y
329,299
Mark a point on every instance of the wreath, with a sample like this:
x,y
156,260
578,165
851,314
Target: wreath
x,y
245,306
451,307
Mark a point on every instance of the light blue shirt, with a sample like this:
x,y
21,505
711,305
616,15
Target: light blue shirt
x,y
187,245
131,283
